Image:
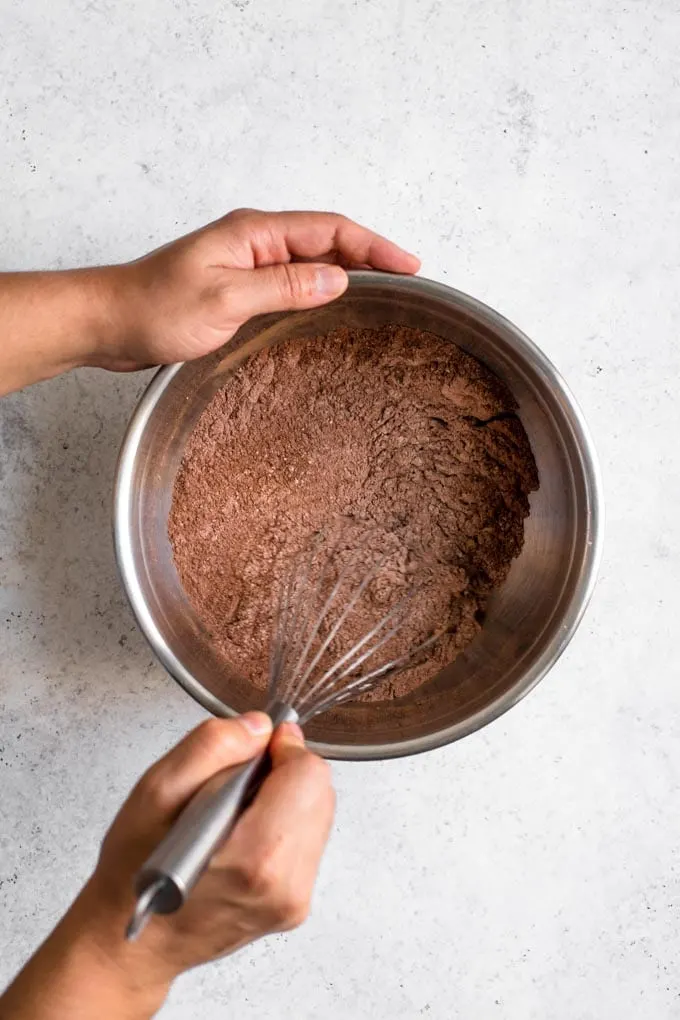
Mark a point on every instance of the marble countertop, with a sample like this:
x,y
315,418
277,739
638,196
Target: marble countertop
x,y
530,154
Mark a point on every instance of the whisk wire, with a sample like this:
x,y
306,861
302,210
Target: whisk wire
x,y
278,642
336,626
329,678
297,586
304,634
369,680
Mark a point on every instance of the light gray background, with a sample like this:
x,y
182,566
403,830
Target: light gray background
x,y
529,152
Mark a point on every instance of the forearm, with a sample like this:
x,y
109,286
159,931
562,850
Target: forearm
x,y
77,975
52,322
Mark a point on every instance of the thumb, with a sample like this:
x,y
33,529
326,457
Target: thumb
x,y
287,744
166,788
212,746
284,287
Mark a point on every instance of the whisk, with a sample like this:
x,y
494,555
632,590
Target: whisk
x,y
307,677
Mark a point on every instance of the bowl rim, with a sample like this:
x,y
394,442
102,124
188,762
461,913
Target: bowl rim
x,y
533,675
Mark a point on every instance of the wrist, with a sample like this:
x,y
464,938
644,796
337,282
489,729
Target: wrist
x,y
86,970
128,971
104,302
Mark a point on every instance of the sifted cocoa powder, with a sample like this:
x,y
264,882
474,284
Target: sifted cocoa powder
x,y
395,428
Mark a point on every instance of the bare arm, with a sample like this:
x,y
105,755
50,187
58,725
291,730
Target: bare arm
x,y
52,322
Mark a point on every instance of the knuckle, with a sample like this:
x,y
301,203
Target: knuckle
x,y
261,875
210,734
266,881
330,214
338,220
295,286
291,911
151,787
243,212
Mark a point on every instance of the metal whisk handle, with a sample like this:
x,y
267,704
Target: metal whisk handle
x,y
166,879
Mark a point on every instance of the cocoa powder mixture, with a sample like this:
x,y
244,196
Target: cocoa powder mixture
x,y
398,430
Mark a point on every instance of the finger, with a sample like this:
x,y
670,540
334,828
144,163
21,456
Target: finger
x,y
212,746
283,287
296,803
287,744
291,816
298,777
272,858
280,237
336,259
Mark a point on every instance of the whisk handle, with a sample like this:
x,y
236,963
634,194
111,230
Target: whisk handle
x,y
166,879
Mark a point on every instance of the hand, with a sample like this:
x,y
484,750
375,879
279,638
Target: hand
x,y
262,878
183,300
190,297
260,881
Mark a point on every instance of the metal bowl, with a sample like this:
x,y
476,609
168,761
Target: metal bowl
x,y
530,620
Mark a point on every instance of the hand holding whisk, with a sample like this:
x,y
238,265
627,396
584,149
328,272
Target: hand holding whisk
x,y
309,674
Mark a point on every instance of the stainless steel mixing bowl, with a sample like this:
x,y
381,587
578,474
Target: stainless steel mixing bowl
x,y
530,620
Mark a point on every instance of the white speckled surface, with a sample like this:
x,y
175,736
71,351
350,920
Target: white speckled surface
x,y
529,152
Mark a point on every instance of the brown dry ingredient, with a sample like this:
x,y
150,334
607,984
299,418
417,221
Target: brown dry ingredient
x,y
396,428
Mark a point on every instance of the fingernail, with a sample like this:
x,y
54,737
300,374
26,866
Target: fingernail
x,y
257,723
291,733
330,280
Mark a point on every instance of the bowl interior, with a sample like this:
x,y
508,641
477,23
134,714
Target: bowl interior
x,y
530,619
